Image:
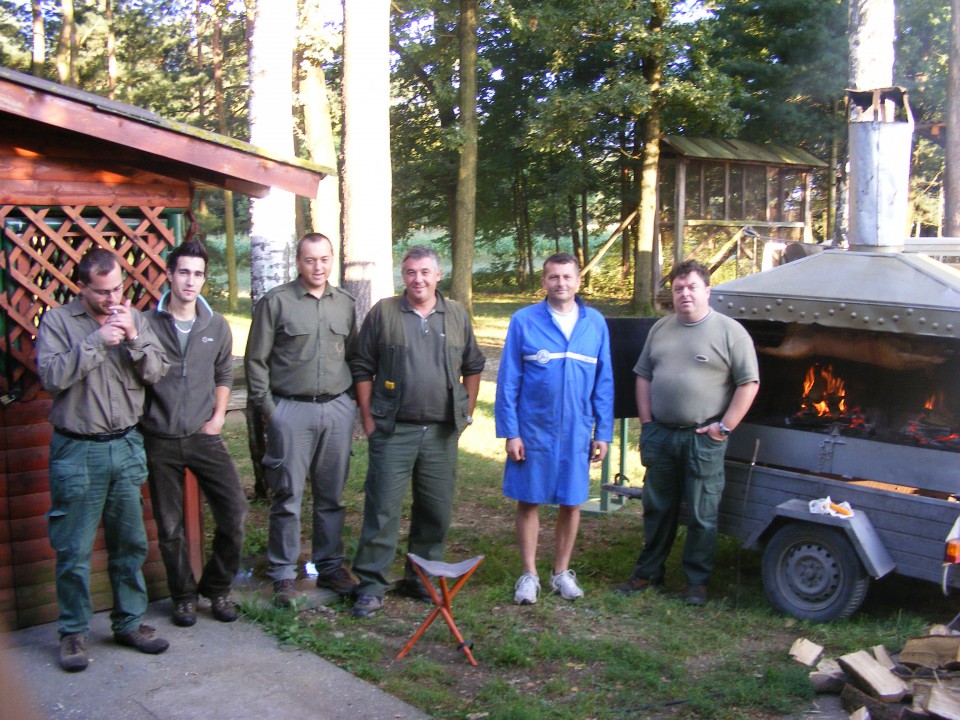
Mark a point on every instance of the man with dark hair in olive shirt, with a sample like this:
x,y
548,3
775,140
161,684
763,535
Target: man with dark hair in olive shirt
x,y
297,375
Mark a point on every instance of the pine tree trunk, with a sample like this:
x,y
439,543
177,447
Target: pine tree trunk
x,y
229,221
952,180
643,292
466,217
38,57
66,52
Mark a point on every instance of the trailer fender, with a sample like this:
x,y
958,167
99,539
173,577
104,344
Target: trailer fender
x,y
858,529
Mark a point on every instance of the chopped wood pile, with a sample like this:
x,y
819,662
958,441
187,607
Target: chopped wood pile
x,y
921,681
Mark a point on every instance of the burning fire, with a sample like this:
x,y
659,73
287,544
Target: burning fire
x,y
932,426
823,392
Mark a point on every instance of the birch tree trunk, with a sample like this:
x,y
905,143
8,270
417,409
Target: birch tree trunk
x,y
272,218
318,127
872,32
367,184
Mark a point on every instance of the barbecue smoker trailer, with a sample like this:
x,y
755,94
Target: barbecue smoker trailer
x,y
859,359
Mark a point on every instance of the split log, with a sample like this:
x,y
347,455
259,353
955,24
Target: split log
x,y
806,652
931,651
883,657
940,630
860,714
828,678
942,704
871,677
853,699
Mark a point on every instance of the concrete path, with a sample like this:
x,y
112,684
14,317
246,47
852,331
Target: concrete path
x,y
212,671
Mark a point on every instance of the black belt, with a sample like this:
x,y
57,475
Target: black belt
x,y
311,398
99,437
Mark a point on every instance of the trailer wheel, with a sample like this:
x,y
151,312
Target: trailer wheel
x,y
813,572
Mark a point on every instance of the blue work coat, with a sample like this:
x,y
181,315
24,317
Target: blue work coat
x,y
557,396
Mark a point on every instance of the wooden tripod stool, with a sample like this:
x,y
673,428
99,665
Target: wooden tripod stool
x,y
442,571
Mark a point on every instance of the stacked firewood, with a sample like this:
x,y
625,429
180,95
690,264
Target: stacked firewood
x,y
921,681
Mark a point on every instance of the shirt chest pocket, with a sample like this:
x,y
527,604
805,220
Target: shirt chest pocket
x,y
297,340
336,342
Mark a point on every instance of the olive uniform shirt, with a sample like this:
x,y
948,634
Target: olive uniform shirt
x,y
299,344
97,388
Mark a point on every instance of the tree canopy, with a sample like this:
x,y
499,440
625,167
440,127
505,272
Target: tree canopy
x,y
564,89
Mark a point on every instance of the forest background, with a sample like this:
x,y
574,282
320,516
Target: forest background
x,y
566,98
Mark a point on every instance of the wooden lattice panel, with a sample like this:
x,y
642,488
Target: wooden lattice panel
x,y
39,251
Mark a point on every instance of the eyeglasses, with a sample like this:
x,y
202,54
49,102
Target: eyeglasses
x,y
106,293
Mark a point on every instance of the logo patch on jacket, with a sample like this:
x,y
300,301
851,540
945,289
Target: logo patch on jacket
x,y
206,339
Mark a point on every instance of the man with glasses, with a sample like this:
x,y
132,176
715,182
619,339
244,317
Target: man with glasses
x,y
95,356
181,425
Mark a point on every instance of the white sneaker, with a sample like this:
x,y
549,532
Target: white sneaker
x,y
566,584
526,589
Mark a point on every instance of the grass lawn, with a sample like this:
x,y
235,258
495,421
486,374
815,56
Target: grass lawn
x,y
605,656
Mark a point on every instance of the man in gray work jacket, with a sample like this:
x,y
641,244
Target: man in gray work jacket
x,y
181,425
297,375
417,374
95,355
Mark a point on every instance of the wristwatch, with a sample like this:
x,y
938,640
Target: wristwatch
x,y
724,430
470,420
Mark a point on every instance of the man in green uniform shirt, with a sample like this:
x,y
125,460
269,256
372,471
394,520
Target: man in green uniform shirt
x,y
300,340
95,355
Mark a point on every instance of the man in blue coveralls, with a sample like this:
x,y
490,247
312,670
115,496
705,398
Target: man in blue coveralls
x,y
555,409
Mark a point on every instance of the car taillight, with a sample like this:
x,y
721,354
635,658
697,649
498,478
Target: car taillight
x,y
951,552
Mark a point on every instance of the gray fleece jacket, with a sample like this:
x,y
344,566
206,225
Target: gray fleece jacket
x,y
183,400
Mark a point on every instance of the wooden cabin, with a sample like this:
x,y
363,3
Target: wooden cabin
x,y
720,198
79,171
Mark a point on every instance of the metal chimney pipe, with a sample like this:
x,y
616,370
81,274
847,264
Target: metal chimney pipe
x,y
880,146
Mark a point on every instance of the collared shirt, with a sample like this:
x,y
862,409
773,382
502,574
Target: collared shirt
x,y
299,344
96,388
424,361
423,364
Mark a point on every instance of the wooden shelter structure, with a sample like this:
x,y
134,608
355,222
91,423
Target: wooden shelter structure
x,y
78,171
718,196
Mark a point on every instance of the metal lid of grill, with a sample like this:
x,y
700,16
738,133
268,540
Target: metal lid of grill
x,y
874,291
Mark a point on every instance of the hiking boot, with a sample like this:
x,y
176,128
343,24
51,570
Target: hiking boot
x,y
224,609
285,593
185,613
367,606
566,584
638,585
526,589
341,581
73,652
695,595
143,639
